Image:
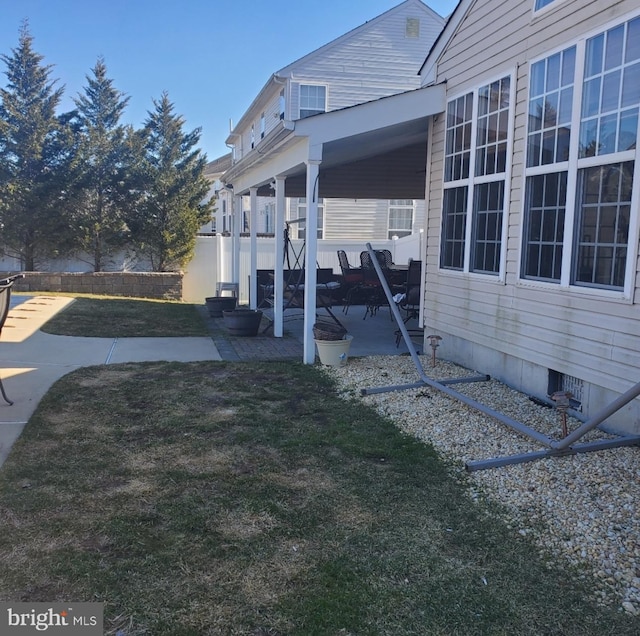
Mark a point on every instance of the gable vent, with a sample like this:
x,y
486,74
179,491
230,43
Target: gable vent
x,y
412,29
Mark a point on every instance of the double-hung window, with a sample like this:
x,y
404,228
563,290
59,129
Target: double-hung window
x,y
313,100
475,169
299,214
400,217
581,158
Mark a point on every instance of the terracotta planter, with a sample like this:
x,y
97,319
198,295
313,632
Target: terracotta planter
x,y
242,322
217,304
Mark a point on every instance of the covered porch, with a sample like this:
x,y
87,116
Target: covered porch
x,y
376,150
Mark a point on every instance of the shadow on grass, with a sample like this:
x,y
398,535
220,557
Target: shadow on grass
x,y
234,498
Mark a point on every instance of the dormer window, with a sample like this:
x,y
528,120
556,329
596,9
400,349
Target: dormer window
x,y
282,104
263,126
253,135
313,100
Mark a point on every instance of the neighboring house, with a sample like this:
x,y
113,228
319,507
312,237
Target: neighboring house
x,y
534,196
377,59
213,172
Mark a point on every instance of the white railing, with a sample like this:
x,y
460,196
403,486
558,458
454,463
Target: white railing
x,y
212,261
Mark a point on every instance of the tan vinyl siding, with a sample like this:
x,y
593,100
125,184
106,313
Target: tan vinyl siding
x,y
592,335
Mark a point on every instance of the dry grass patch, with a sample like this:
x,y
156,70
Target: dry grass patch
x,y
219,498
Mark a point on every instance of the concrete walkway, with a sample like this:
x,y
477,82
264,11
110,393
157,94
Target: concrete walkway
x,y
31,361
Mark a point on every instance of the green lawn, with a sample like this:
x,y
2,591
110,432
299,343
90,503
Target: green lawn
x,y
121,318
235,498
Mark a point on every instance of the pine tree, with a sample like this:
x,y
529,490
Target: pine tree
x,y
102,185
172,208
36,147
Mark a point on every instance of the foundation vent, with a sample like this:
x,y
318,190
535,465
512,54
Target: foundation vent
x,y
568,384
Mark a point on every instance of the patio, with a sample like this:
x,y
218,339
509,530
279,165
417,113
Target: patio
x,y
373,336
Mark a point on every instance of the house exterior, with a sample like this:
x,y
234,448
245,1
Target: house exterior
x,y
213,172
377,59
532,260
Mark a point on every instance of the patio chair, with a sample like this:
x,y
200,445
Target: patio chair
x,y
5,303
409,303
371,285
351,280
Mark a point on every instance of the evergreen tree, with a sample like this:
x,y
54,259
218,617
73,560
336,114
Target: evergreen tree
x,y
172,208
102,178
36,148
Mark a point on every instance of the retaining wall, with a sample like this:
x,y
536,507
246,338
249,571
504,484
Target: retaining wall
x,y
165,285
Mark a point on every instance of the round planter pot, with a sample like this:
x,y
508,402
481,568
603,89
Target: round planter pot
x,y
217,304
242,322
334,353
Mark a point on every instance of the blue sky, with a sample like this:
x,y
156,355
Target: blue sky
x,y
211,56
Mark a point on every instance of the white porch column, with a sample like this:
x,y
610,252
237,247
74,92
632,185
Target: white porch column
x,y
253,228
311,257
235,244
278,269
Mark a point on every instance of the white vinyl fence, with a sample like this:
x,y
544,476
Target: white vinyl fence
x,y
212,261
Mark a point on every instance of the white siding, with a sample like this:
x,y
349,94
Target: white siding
x,y
590,335
373,62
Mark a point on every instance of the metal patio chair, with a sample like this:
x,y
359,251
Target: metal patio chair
x,y
5,302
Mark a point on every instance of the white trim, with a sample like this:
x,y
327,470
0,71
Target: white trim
x,y
472,180
554,4
573,167
326,97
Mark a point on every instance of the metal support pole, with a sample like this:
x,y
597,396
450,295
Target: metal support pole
x,y
599,417
517,426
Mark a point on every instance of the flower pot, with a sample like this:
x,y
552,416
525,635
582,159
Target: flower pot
x,y
334,353
217,304
242,322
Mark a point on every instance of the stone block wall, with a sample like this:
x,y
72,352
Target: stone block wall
x,y
164,285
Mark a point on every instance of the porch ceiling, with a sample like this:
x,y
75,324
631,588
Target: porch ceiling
x,y
388,163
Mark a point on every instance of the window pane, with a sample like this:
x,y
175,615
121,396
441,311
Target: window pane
x,y
610,91
454,215
628,130
553,73
613,49
551,112
492,128
633,41
603,230
631,85
545,200
487,227
458,136
536,83
619,91
312,100
593,63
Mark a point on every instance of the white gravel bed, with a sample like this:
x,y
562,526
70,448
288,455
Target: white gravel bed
x,y
580,507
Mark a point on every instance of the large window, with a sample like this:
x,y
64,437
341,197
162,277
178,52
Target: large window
x,y
312,100
400,217
579,191
475,167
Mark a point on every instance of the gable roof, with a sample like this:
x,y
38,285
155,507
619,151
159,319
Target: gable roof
x,y
451,26
278,78
357,31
